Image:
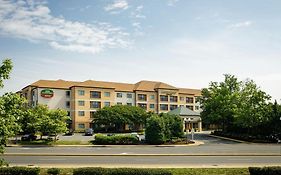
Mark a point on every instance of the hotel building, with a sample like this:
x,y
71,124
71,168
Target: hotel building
x,y
82,99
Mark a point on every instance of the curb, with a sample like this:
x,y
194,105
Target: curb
x,y
141,155
197,143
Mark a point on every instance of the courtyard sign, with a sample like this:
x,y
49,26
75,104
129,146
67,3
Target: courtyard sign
x,y
47,93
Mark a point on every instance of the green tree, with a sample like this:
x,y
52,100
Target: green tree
x,y
5,70
155,130
220,102
119,115
56,122
173,125
40,119
253,107
10,109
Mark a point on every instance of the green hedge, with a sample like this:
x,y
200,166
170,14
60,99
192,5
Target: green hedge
x,y
265,170
101,139
19,171
54,171
120,171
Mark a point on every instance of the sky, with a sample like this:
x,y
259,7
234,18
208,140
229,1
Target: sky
x,y
185,43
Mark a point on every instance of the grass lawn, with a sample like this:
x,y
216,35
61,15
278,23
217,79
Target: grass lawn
x,y
183,171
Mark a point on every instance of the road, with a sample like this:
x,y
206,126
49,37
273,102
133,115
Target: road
x,y
215,152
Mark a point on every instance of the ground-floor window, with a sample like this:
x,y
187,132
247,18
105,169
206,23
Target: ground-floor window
x,y
81,125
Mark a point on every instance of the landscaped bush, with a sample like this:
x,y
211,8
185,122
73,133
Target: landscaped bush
x,y
265,170
101,139
19,171
54,171
120,171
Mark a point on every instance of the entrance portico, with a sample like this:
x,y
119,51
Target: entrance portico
x,y
191,119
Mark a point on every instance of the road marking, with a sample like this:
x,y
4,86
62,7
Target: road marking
x,y
52,159
240,159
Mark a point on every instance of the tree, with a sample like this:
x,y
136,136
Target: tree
x,y
220,102
56,122
254,107
119,115
10,109
5,70
173,125
155,130
40,119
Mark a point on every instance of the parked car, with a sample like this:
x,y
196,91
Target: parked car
x,y
28,137
89,132
135,135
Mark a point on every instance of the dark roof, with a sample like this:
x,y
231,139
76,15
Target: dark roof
x,y
183,111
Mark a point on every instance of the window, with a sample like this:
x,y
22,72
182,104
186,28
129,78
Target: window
x,y
163,97
129,95
142,105
151,106
81,92
181,98
106,103
129,104
95,104
142,97
81,125
81,113
189,107
67,93
68,113
164,107
152,97
172,107
173,99
197,99
189,99
95,94
119,95
92,114
81,103
197,108
119,103
106,94
67,103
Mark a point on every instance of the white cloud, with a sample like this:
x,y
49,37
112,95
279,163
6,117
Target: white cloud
x,y
32,20
172,2
117,5
241,24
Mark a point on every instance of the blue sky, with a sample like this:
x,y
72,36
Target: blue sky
x,y
186,43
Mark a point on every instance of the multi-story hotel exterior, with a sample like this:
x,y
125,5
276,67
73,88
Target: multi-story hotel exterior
x,y
82,99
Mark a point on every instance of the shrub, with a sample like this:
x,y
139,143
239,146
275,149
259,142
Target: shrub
x,y
120,171
3,163
265,170
116,140
89,171
54,171
19,171
155,128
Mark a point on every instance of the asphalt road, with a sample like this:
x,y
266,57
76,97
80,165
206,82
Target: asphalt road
x,y
234,154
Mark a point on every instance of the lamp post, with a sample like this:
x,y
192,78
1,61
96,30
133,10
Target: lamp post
x,y
186,121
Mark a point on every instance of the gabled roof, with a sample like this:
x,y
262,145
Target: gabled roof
x,y
145,85
61,84
196,92
105,84
183,111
